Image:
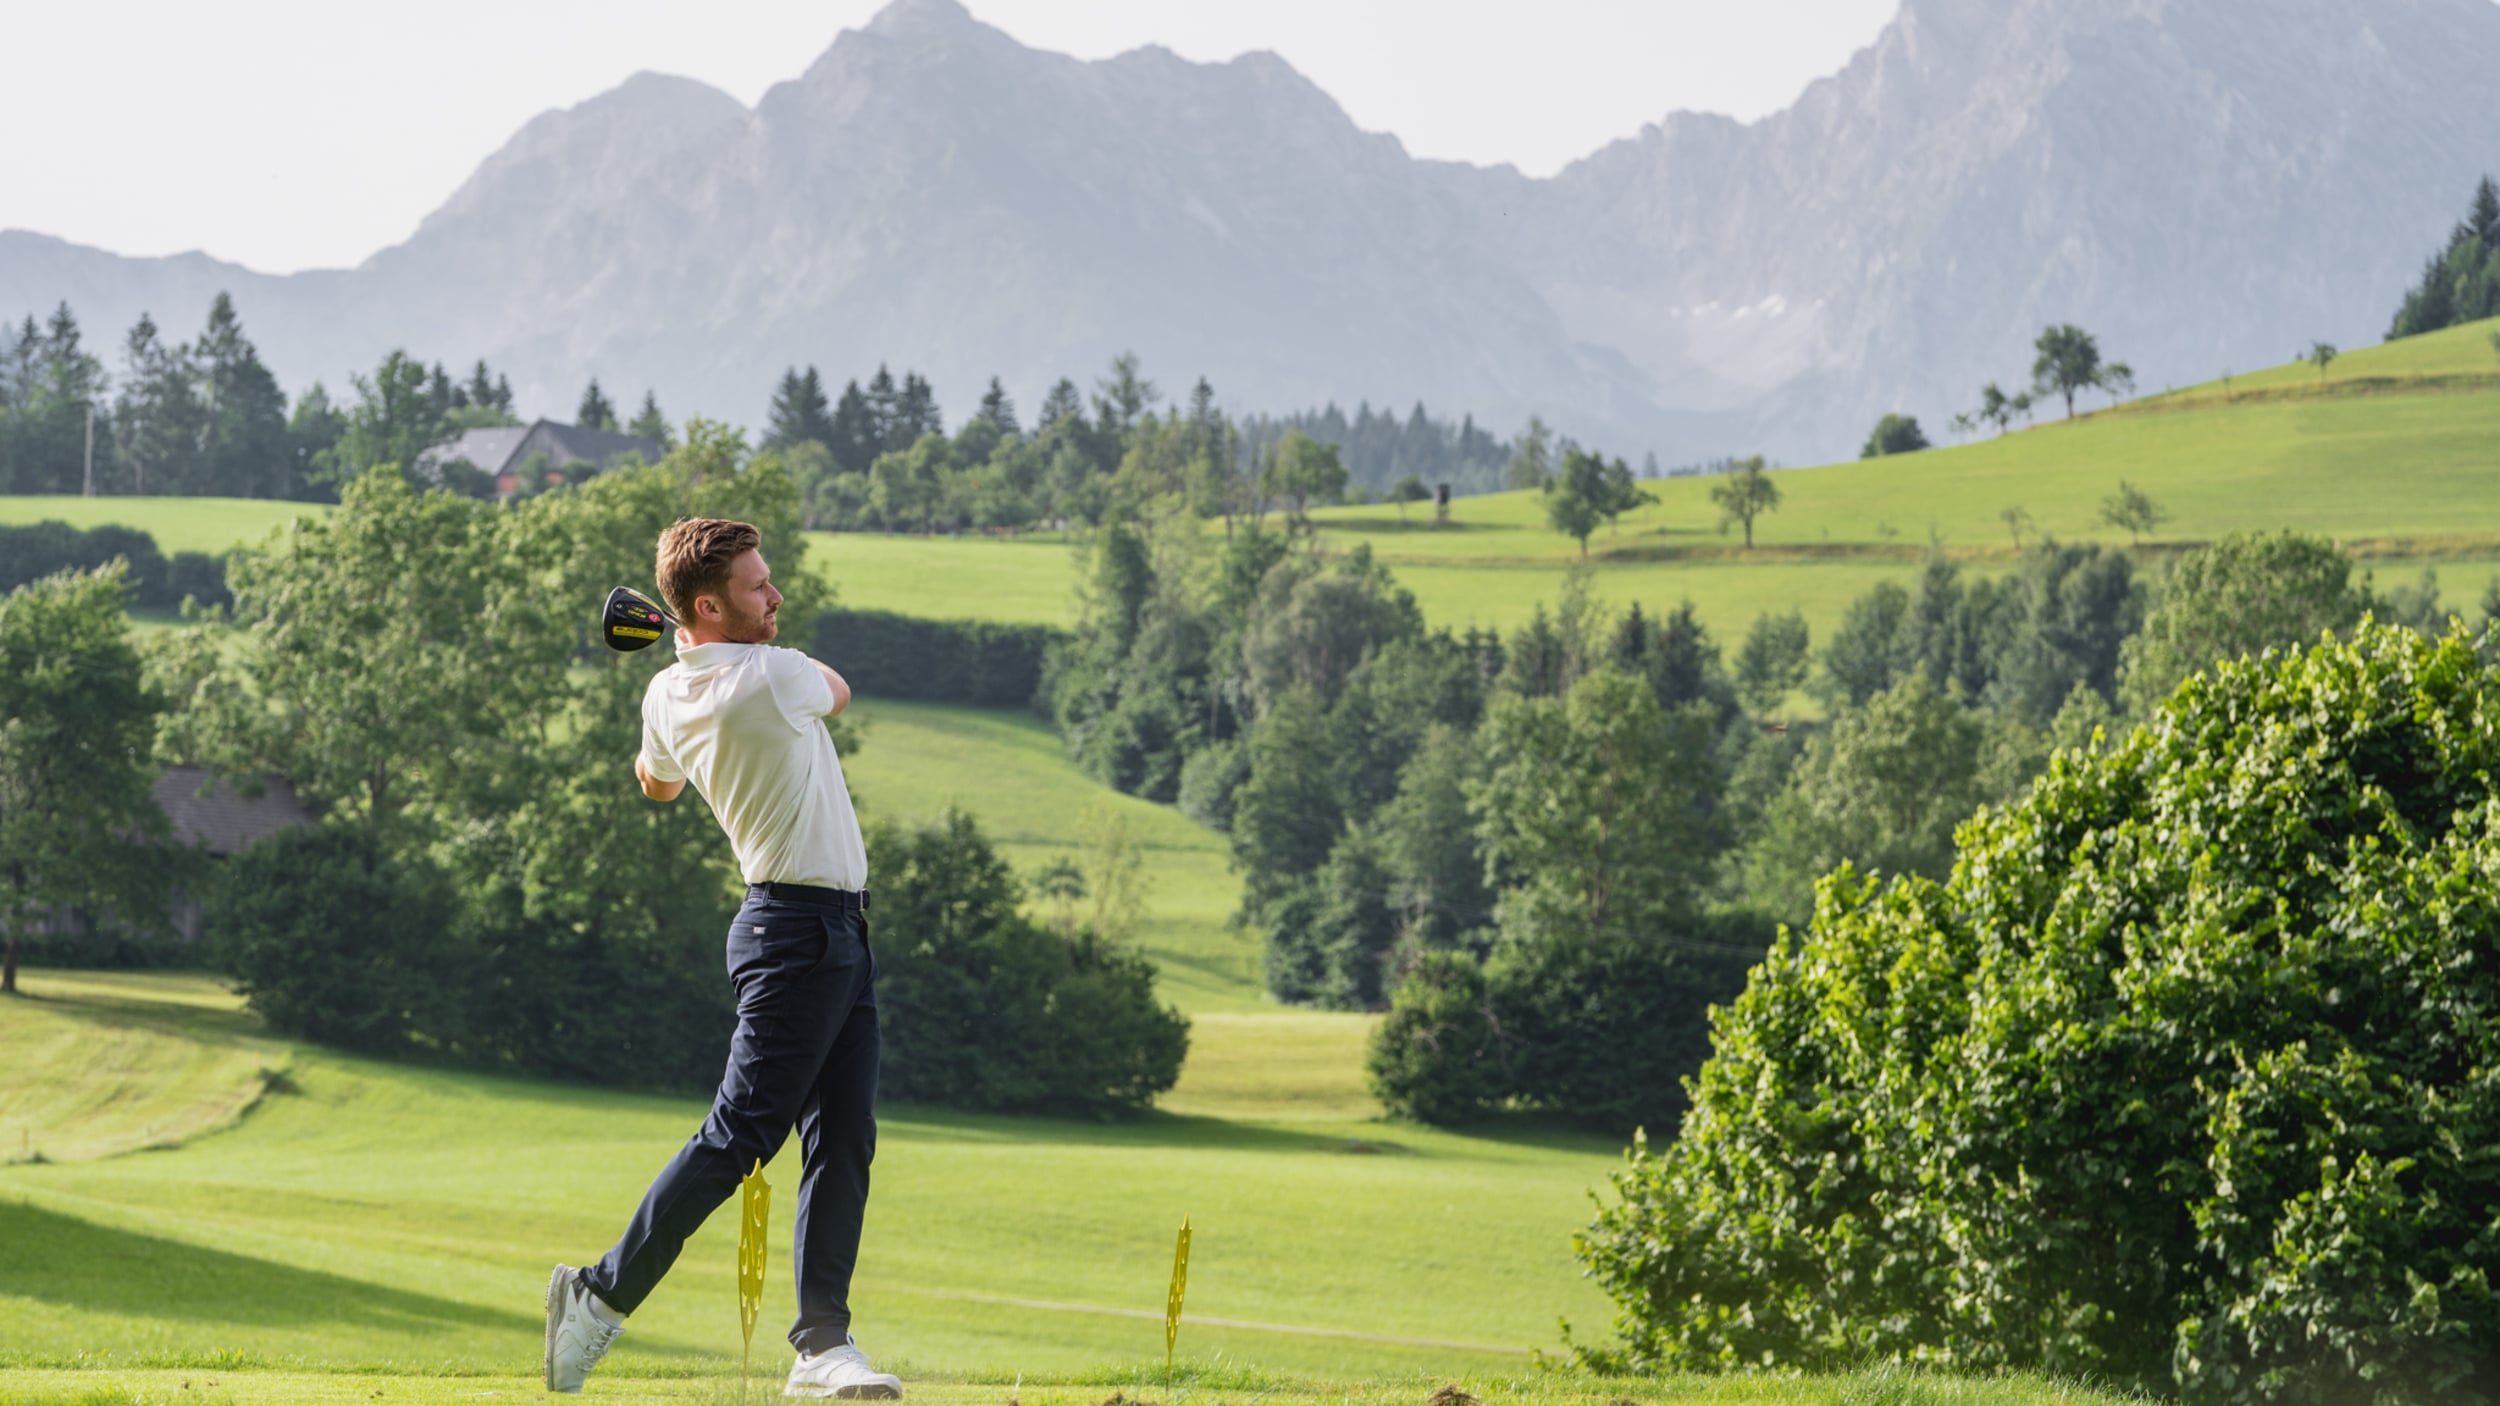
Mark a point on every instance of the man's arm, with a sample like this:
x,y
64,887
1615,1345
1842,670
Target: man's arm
x,y
841,689
652,786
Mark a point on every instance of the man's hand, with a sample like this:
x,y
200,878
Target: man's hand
x,y
652,786
841,689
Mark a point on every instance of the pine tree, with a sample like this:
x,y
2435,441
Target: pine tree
x,y
998,409
442,393
650,424
596,412
855,439
503,393
481,388
883,409
915,413
1062,403
798,412
158,422
246,445
57,382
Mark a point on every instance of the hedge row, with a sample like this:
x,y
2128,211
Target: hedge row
x,y
32,551
977,662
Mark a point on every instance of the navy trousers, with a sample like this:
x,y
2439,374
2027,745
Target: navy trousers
x,y
804,1055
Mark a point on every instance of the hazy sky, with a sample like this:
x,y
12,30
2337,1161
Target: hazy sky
x,y
291,134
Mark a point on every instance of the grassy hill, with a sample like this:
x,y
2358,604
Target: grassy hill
x,y
372,1231
1009,771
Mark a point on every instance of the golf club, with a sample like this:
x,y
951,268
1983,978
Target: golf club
x,y
632,620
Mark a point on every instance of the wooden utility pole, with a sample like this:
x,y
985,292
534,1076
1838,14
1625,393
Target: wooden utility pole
x,y
87,479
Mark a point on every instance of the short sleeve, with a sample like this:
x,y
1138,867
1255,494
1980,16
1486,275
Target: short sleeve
x,y
799,687
655,754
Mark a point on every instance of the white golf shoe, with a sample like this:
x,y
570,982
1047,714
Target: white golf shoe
x,y
842,1372
579,1330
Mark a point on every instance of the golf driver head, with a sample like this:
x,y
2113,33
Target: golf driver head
x,y
633,620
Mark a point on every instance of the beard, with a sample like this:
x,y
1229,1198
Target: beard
x,y
741,628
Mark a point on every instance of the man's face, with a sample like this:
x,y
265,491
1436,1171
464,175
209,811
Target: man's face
x,y
748,608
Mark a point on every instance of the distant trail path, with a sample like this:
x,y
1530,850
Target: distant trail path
x,y
1152,1316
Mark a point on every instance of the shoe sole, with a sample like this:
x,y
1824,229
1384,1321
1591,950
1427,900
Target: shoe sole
x,y
555,1286
875,1392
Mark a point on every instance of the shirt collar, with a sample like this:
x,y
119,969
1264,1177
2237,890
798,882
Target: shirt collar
x,y
710,656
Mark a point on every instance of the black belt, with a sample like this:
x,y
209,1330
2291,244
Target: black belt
x,y
848,900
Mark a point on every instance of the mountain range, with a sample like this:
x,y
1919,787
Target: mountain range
x,y
2207,185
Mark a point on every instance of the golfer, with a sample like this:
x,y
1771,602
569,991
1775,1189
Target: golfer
x,y
745,722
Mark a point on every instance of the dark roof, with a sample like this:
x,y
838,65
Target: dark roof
x,y
225,821
501,449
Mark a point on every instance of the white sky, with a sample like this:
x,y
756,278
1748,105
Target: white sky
x,y
291,134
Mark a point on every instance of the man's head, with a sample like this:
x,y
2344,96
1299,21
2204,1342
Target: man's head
x,y
715,580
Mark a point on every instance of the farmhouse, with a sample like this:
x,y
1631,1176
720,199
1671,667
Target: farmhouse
x,y
221,821
504,453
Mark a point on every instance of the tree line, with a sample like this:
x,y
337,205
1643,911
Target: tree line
x,y
2460,282
1599,809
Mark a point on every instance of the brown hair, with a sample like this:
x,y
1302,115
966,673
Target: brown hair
x,y
695,554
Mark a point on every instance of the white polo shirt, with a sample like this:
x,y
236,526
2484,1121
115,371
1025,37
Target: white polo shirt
x,y
745,723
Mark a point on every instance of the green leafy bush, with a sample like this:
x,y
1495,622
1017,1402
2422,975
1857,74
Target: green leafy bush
x,y
2187,1077
334,939
1601,1030
984,1009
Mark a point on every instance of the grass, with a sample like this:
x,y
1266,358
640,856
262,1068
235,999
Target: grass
x,y
369,1217
373,1232
1009,771
177,524
1139,1386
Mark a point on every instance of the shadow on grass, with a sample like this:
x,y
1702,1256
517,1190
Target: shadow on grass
x,y
63,1260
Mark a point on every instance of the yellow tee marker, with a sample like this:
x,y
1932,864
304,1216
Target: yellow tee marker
x,y
1172,1304
753,1225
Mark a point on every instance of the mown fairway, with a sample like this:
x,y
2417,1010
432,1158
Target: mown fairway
x,y
368,1216
371,1232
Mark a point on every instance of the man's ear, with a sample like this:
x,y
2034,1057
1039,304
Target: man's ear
x,y
707,606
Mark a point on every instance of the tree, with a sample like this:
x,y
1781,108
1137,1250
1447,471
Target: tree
x,y
1409,489
79,827
1744,493
1894,434
392,422
1995,407
2070,360
853,435
1593,809
1590,490
1531,457
2133,509
650,424
1304,471
1121,396
1773,661
2128,1078
2017,520
2320,355
1882,790
596,412
2248,593
998,409
799,414
244,448
158,422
